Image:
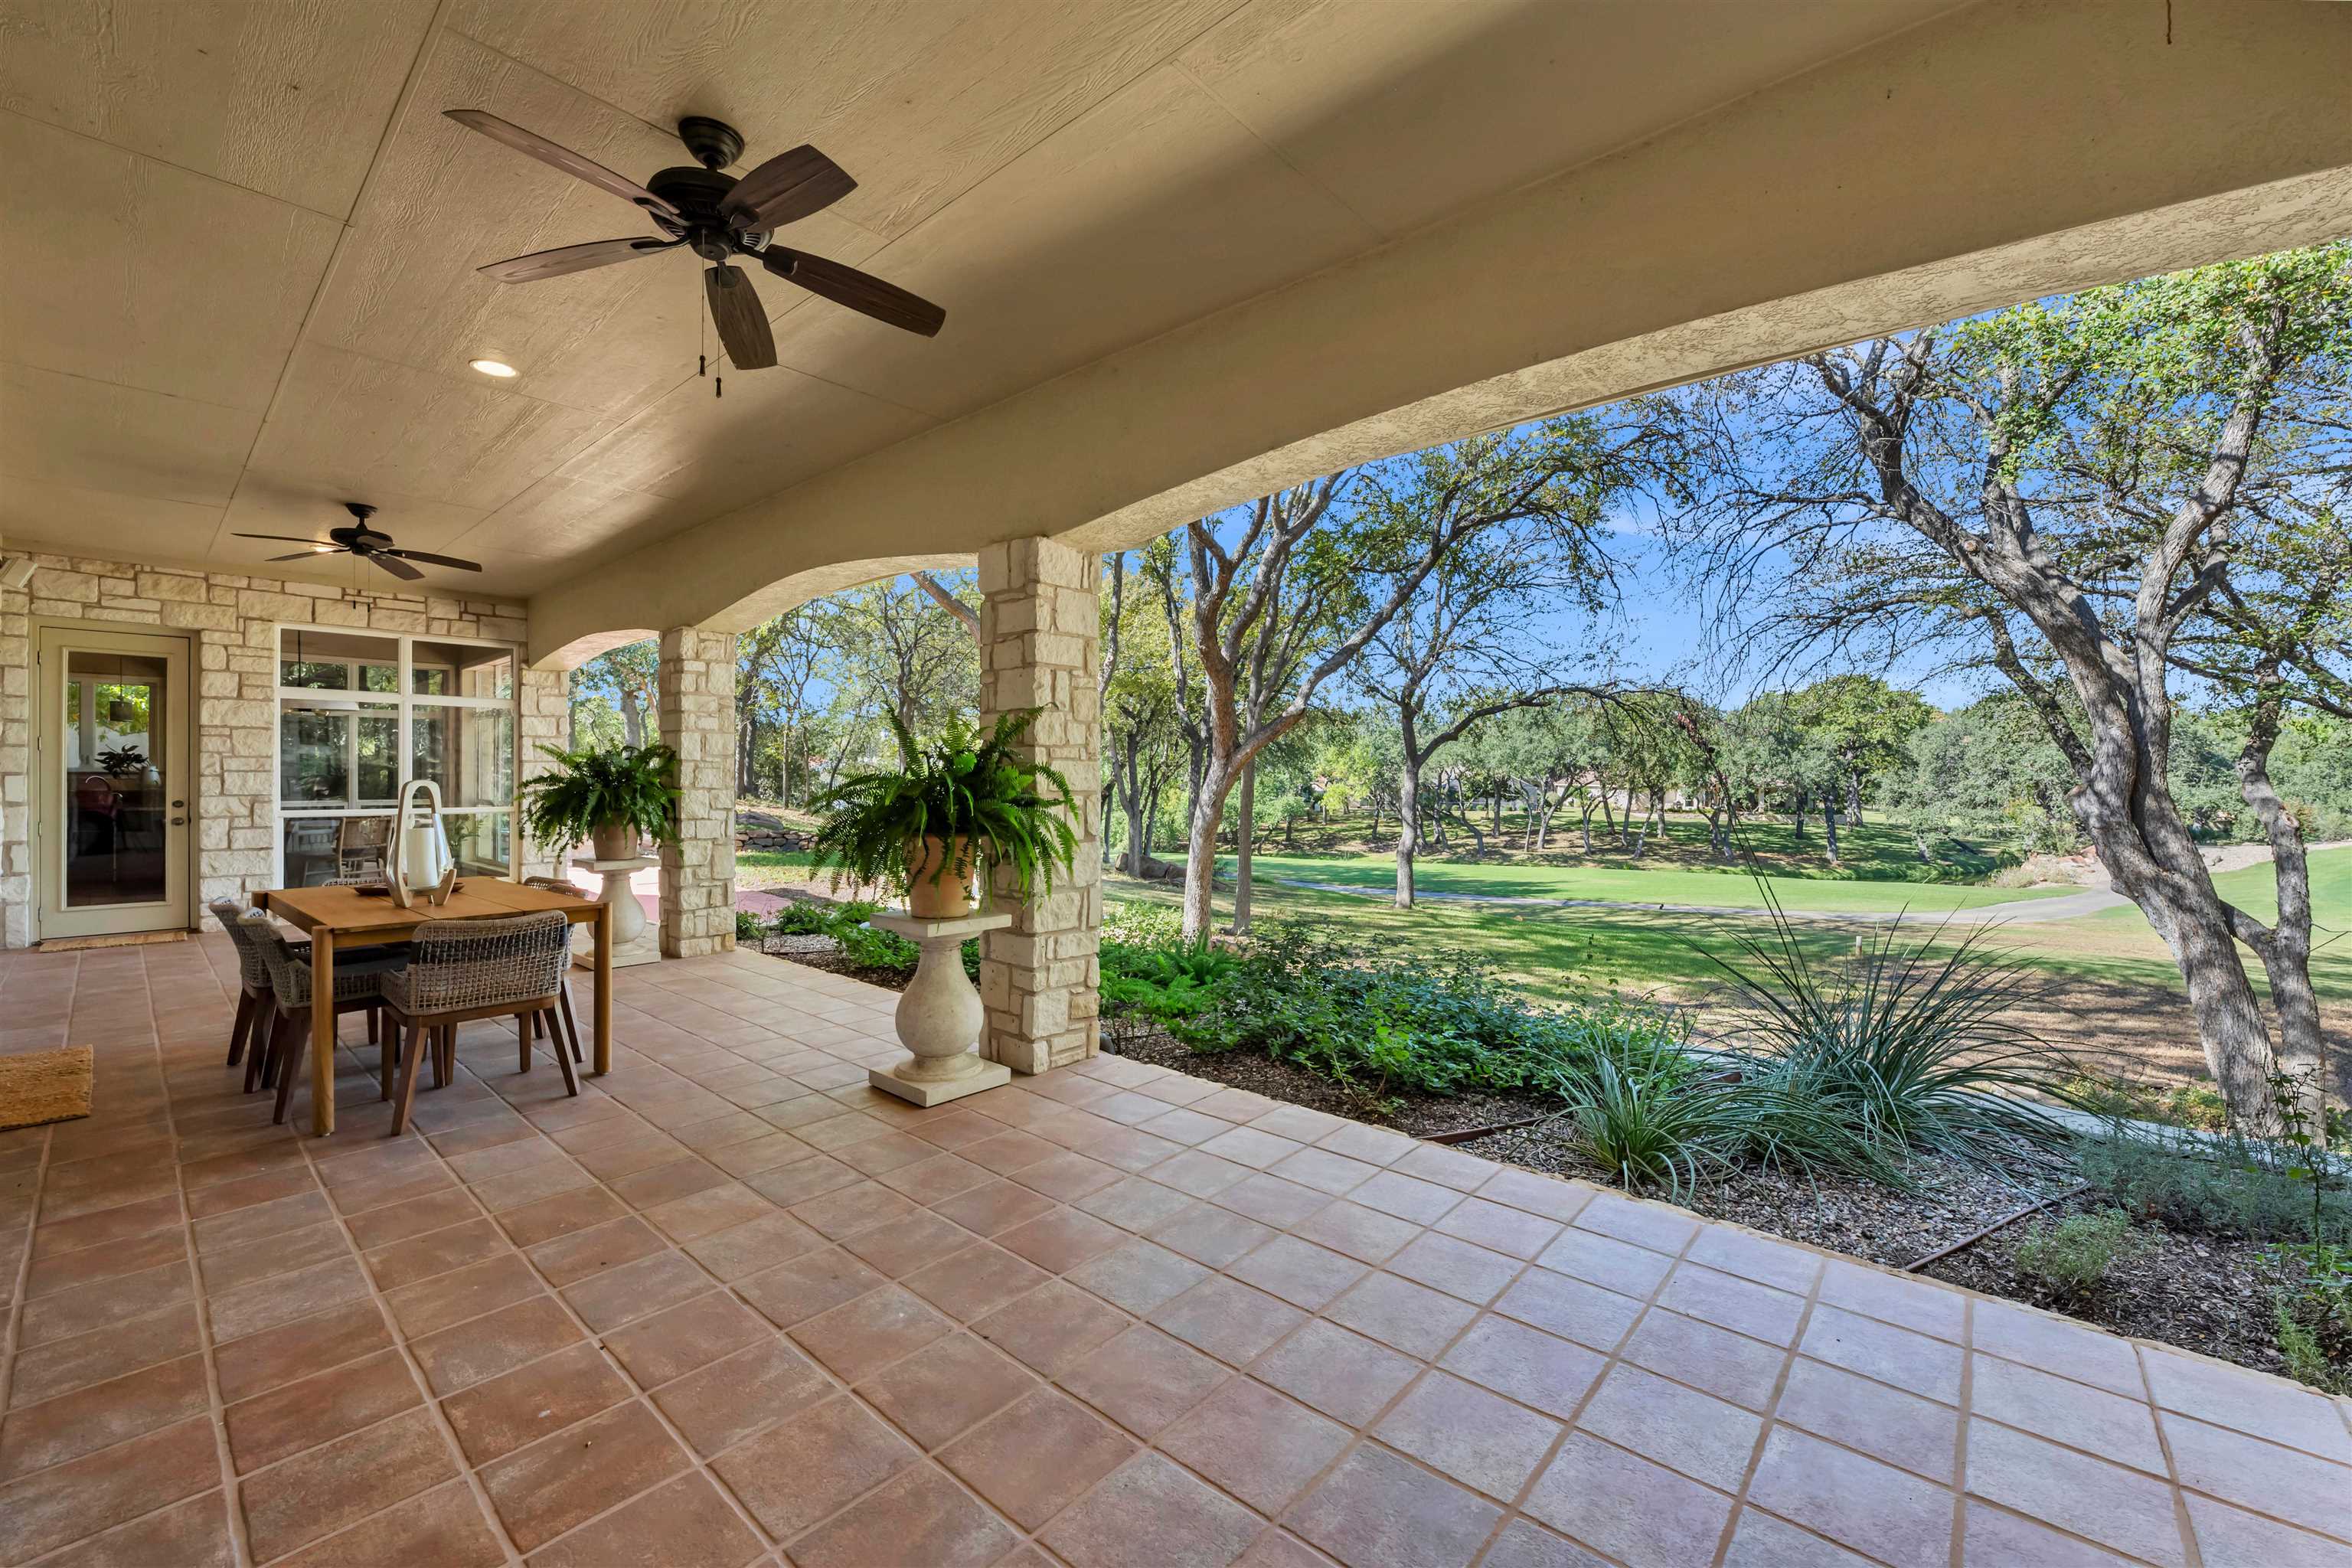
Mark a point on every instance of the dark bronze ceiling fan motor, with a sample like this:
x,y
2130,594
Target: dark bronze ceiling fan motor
x,y
368,543
701,208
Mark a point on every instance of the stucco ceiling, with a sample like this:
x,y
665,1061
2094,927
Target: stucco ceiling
x,y
238,241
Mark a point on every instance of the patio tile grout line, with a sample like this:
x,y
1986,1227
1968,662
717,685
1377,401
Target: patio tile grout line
x,y
408,1358
2194,1552
1060,1107
1771,1416
215,1408
643,1394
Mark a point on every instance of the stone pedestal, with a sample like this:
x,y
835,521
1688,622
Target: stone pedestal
x,y
940,1014
632,943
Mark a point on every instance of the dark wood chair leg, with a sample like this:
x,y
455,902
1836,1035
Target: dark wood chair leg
x,y
291,1067
444,1057
372,1030
388,1052
522,1038
562,1056
273,1036
571,1026
417,1046
237,1031
537,1026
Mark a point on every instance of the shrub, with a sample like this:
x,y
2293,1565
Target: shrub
x,y
1440,1024
2224,1186
2073,1255
748,928
1905,1048
2193,1105
2314,1315
803,919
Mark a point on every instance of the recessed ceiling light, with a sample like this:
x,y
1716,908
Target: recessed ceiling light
x,y
498,368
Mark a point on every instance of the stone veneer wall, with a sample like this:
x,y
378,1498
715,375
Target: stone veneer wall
x,y
1038,630
232,622
696,699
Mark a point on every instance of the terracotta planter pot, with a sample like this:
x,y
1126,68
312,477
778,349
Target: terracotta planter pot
x,y
944,897
613,841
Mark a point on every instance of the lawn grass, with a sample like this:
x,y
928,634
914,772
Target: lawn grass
x,y
1558,954
756,869
1873,850
1650,885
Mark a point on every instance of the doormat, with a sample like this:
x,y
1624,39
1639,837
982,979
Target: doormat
x,y
44,1086
128,938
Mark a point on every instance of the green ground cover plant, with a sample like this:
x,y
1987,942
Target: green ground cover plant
x,y
2073,1256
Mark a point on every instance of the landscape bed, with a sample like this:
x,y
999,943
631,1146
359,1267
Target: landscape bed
x,y
2195,1261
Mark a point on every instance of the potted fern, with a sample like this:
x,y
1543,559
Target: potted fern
x,y
963,805
613,798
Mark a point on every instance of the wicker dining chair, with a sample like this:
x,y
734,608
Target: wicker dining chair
x,y
253,997
359,976
459,971
571,1025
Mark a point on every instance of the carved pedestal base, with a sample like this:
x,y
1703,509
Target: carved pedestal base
x,y
634,940
940,1014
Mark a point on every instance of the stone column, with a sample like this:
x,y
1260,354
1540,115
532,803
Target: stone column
x,y
546,703
1037,635
697,697
15,768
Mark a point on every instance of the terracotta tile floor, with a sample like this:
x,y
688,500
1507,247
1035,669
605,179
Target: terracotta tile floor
x,y
731,1307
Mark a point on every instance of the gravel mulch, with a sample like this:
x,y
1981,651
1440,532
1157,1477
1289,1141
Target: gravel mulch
x,y
2202,1293
2207,1294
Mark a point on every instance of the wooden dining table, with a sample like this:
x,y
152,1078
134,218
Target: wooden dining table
x,y
339,917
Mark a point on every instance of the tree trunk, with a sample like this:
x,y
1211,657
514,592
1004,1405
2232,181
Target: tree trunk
x,y
1853,797
1201,849
633,717
1408,830
1828,828
1246,838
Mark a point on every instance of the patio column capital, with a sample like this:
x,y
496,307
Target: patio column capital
x,y
1038,630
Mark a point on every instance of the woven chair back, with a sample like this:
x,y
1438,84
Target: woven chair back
x,y
459,965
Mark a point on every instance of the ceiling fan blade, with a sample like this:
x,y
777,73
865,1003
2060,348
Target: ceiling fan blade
x,y
307,554
574,259
861,291
431,560
742,324
534,146
786,189
397,568
290,539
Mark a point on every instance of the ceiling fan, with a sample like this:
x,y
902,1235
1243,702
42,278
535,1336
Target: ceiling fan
x,y
718,216
367,543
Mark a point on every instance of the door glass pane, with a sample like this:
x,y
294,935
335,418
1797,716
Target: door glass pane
x,y
469,752
116,812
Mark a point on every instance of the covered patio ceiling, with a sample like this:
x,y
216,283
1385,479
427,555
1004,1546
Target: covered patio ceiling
x,y
1188,251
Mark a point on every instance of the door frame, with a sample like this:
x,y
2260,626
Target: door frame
x,y
51,639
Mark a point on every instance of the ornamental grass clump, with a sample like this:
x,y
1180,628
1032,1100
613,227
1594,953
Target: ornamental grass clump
x,y
1910,1047
965,803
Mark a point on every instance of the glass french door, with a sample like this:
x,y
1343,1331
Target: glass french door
x,y
115,765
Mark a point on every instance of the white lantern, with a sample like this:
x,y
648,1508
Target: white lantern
x,y
417,860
